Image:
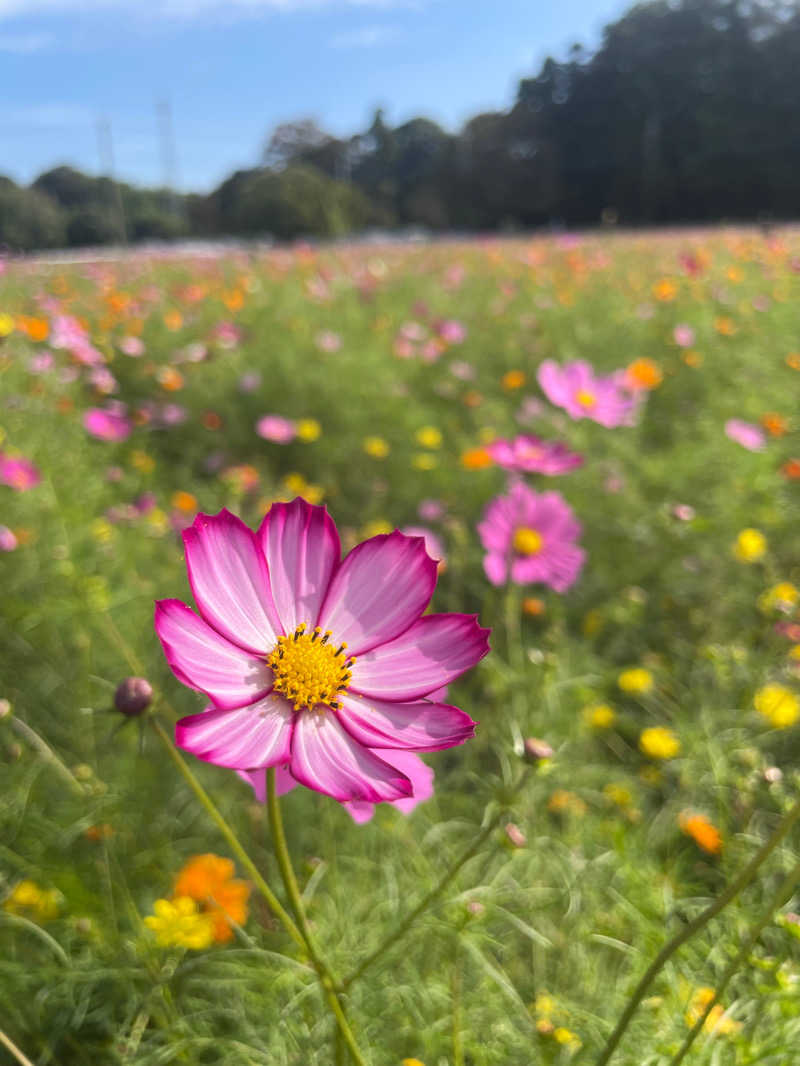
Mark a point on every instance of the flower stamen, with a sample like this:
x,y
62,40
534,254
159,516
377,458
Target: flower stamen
x,y
308,671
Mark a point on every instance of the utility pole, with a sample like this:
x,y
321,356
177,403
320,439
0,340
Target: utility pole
x,y
105,148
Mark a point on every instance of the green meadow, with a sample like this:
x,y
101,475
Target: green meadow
x,y
397,365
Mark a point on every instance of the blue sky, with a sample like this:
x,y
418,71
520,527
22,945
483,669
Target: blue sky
x,y
232,69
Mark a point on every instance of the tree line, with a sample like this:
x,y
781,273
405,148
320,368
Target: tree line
x,y
688,111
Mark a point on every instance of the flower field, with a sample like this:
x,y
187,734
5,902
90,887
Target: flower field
x,y
591,447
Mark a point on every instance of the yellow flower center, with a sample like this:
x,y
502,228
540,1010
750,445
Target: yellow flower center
x,y
308,670
585,399
527,541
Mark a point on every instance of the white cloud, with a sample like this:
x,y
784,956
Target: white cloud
x,y
25,44
367,37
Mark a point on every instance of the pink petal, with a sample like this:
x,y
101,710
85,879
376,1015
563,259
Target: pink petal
x,y
432,652
206,661
420,776
230,582
253,736
381,587
327,759
257,779
418,726
302,549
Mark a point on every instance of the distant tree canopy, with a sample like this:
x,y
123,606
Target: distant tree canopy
x,y
689,110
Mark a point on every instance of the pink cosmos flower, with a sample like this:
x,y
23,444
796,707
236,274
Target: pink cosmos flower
x,y
533,455
420,776
683,335
276,428
529,538
746,434
452,331
314,664
328,341
106,425
582,394
18,473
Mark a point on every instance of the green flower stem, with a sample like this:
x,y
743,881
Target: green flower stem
x,y
782,895
236,847
426,901
742,881
231,838
329,982
10,1046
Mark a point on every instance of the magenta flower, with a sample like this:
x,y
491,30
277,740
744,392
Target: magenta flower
x,y
532,455
276,428
18,473
106,425
582,394
420,776
8,541
314,664
746,434
529,538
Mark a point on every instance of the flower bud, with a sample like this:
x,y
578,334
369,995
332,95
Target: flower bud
x,y
536,750
133,696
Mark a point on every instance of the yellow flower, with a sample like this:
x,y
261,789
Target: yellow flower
x,y
412,1062
599,715
142,462
179,923
376,527
717,1021
779,705
308,429
157,522
665,290
6,324
27,898
659,743
636,680
781,597
102,530
618,794
561,1035
429,437
423,461
377,447
750,546
296,485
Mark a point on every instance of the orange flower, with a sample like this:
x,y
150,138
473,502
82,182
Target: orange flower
x,y
234,300
514,379
184,501
791,469
776,425
692,359
472,399
211,420
173,320
793,360
170,379
208,879
665,290
643,374
703,833
37,329
476,459
533,606
725,326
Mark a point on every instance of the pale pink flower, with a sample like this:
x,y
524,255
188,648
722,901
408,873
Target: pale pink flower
x,y
276,428
534,456
106,425
328,341
452,331
745,433
132,346
530,538
314,664
683,335
583,394
8,542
